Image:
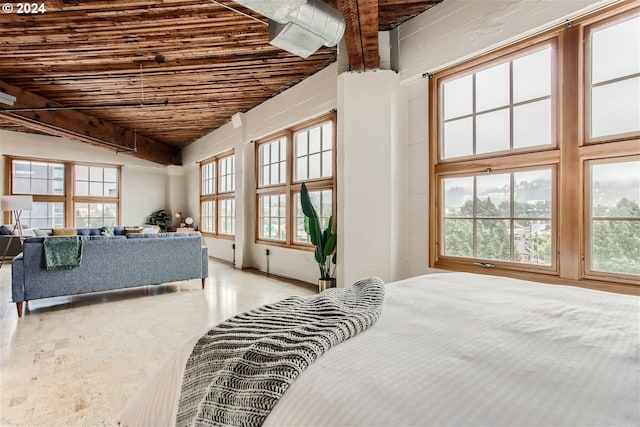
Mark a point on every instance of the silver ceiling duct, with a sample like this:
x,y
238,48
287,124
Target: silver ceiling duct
x,y
299,26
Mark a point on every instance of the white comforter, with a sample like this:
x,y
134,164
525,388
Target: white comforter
x,y
458,349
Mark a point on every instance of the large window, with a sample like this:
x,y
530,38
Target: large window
x,y
45,182
534,175
96,196
217,195
93,202
305,153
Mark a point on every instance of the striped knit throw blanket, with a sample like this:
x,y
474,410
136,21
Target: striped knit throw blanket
x,y
239,369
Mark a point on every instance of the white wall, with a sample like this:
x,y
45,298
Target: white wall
x,y
144,183
455,30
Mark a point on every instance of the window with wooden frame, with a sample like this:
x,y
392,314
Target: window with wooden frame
x,y
534,156
96,197
93,201
217,195
304,153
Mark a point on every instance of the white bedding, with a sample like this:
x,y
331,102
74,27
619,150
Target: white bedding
x,y
459,349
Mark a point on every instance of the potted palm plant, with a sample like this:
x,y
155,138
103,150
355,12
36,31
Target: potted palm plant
x,y
323,240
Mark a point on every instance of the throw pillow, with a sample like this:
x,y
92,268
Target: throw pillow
x,y
131,230
26,232
150,230
42,233
63,232
106,231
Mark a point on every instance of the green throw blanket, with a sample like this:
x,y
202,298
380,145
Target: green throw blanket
x,y
240,368
62,252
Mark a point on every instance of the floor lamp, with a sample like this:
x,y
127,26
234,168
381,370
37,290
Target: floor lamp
x,y
15,204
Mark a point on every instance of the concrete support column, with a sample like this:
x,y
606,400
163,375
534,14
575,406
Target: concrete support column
x,y
371,205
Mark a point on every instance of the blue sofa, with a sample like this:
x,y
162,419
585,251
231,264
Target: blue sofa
x,y
109,262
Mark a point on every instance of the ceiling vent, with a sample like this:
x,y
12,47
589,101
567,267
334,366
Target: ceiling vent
x,y
300,26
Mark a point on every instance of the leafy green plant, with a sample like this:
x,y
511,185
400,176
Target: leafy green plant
x,y
160,218
324,240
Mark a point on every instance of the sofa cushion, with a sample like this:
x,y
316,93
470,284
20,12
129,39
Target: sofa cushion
x,y
42,233
143,236
26,232
106,237
6,229
63,232
88,231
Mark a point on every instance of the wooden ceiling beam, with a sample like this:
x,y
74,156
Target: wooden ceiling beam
x,y
83,127
361,33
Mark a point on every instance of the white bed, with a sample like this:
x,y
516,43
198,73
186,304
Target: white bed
x,y
458,349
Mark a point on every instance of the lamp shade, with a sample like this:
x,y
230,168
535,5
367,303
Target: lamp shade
x,y
16,203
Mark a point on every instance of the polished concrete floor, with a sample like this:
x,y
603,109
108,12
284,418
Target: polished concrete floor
x,y
75,361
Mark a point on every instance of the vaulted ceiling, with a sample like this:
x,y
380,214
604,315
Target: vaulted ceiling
x,y
152,76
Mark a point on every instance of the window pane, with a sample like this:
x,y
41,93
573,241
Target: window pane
x,y
275,174
37,177
38,186
207,223
272,217
301,169
110,175
615,50
327,164
532,76
110,189
44,215
314,166
532,124
327,136
275,151
95,189
301,143
82,188
493,194
615,213
493,239
265,153
95,174
485,230
458,96
532,242
615,247
493,131
82,173
615,108
458,237
95,214
532,194
458,197
314,140
492,87
458,138
21,186
39,170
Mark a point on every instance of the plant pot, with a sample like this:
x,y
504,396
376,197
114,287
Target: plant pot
x,y
324,284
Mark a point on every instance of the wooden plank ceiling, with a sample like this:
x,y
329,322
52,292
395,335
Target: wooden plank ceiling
x,y
193,64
